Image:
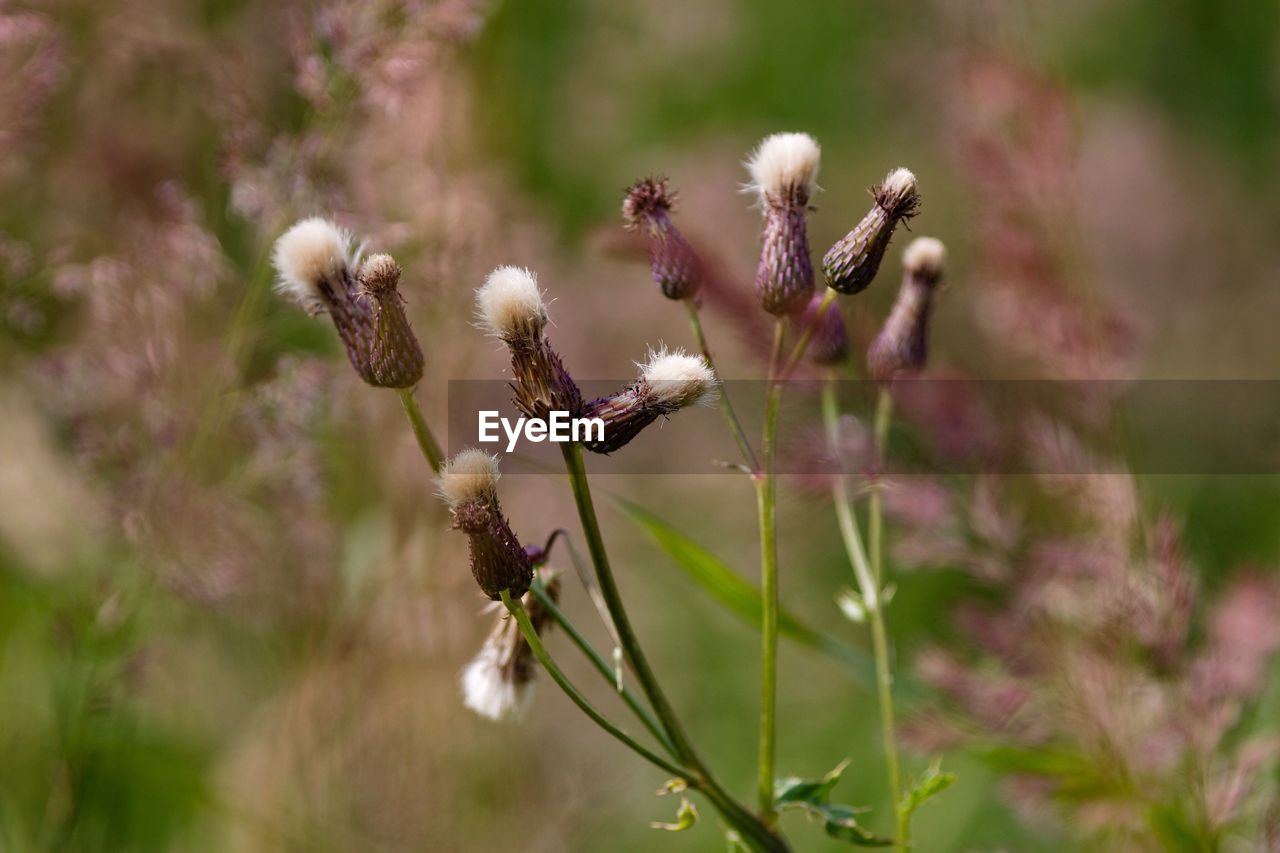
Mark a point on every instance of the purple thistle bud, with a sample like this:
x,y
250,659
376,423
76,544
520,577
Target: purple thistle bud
x,y
498,682
830,341
511,307
468,483
675,265
902,345
669,381
784,168
317,268
852,263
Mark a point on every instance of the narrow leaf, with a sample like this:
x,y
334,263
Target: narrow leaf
x,y
930,784
686,817
740,596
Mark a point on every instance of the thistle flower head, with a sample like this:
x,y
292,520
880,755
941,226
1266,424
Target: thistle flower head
x,y
498,682
311,257
510,305
646,202
924,259
677,378
783,170
319,269
468,483
903,344
472,475
830,341
852,263
784,166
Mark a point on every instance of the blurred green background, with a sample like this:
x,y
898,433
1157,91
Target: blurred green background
x,y
231,614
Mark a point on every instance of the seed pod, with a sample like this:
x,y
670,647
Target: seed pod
x,y
675,265
830,342
784,169
852,263
317,264
668,382
498,683
902,345
511,307
468,483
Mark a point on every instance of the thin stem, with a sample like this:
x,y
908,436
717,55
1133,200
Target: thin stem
x,y
422,432
884,414
531,637
602,666
759,835
735,426
806,334
766,505
867,575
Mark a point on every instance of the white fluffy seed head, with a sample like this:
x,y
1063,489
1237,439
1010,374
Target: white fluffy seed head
x,y
471,475
489,689
312,251
900,182
678,379
782,163
925,257
509,303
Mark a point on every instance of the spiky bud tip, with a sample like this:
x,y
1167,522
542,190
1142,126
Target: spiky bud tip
x,y
312,253
472,475
380,274
784,167
678,379
510,305
646,201
898,194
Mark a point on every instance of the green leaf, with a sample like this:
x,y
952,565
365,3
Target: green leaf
x,y
686,817
838,820
730,589
931,783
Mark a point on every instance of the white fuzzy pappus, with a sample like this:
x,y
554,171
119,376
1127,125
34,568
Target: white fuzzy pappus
x,y
925,256
470,475
679,379
784,161
489,689
310,252
899,183
509,303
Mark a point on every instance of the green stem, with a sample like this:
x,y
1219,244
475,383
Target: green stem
x,y
806,334
735,426
602,666
766,505
422,432
531,637
884,413
756,833
868,577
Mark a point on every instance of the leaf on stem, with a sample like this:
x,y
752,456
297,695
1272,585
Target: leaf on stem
x,y
931,783
686,817
730,589
813,797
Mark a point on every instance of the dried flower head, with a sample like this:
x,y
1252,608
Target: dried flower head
x,y
498,682
669,381
852,263
511,307
674,264
903,344
784,168
468,483
830,341
317,267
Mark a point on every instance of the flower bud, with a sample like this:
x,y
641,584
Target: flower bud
x,y
902,345
668,382
852,263
783,171
498,683
830,341
675,265
468,483
511,307
317,268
